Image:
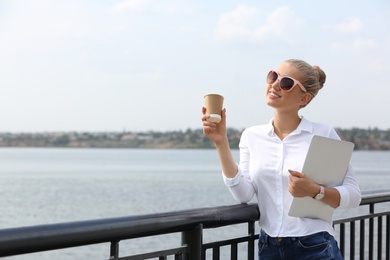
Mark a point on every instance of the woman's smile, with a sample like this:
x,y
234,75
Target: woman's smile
x,y
273,95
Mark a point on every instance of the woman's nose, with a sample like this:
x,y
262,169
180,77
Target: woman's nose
x,y
276,85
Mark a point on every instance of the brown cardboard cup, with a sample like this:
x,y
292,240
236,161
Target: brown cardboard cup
x,y
213,104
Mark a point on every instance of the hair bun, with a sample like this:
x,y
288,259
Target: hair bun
x,y
321,75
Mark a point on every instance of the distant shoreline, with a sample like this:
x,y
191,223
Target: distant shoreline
x,y
364,139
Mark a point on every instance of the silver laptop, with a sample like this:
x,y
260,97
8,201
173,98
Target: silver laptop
x,y
326,163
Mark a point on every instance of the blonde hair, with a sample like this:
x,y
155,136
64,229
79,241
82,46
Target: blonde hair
x,y
314,77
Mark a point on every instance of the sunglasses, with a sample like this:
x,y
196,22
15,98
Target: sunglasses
x,y
285,83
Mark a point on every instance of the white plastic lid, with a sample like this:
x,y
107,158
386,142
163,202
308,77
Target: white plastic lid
x,y
215,118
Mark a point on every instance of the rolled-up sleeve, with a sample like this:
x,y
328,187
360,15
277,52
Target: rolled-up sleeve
x,y
350,195
240,186
232,181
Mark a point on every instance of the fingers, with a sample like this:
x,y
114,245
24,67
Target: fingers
x,y
294,187
223,116
208,126
211,129
294,183
205,116
296,174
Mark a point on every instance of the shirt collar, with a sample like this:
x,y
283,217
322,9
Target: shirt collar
x,y
304,125
270,128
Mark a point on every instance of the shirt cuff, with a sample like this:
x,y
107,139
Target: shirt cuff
x,y
232,181
344,196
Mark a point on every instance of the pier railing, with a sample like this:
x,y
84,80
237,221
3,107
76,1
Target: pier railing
x,y
365,235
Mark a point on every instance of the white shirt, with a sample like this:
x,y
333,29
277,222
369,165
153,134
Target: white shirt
x,y
263,171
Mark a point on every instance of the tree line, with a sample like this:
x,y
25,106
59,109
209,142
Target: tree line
x,y
364,139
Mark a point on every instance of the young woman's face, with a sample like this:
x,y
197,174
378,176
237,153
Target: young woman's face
x,y
292,100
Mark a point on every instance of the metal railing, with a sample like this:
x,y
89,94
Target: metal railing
x,y
191,225
370,231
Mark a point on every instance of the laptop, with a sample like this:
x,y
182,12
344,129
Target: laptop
x,y
326,163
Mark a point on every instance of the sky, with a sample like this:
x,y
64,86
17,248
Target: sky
x,y
145,65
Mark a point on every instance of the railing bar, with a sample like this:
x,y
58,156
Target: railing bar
x,y
234,251
388,236
379,244
149,255
216,253
371,206
342,239
362,239
361,217
193,240
352,241
371,237
114,249
251,242
229,241
203,253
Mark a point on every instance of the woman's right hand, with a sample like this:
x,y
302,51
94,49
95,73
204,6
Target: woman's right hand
x,y
216,132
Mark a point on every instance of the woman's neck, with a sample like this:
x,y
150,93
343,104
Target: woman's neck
x,y
285,124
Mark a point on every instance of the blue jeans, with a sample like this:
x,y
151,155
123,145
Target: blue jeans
x,y
316,246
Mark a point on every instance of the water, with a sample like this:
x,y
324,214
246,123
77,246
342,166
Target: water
x,y
48,185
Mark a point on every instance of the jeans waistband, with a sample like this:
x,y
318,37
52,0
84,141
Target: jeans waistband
x,y
265,238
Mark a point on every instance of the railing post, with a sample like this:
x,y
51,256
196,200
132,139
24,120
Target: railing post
x,y
342,239
388,237
379,237
251,243
114,249
193,239
371,239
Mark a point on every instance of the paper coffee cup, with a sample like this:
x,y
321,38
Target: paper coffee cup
x,y
213,104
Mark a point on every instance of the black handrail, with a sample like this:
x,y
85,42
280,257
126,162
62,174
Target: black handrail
x,y
375,196
23,240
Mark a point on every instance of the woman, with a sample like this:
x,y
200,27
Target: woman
x,y
271,158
